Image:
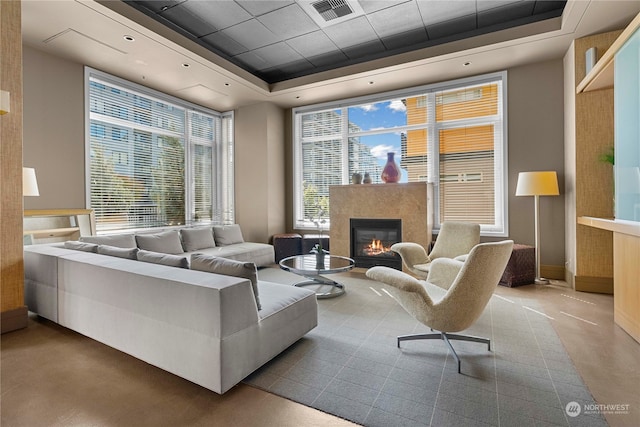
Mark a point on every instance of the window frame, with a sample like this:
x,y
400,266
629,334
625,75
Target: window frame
x,y
501,205
222,181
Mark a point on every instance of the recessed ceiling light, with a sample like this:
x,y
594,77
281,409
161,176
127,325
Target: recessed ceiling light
x,y
466,64
298,97
129,38
227,84
371,82
163,8
186,65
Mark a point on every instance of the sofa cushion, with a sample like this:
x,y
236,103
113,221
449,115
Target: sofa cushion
x,y
128,253
261,254
119,240
81,246
197,238
227,234
228,267
162,258
167,242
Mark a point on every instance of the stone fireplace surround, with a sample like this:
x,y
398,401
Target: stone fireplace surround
x,y
412,203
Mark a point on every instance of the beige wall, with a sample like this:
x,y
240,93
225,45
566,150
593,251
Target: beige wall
x,y
54,129
535,138
54,145
260,163
536,141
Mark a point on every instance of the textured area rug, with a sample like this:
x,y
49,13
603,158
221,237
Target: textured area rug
x,y
350,365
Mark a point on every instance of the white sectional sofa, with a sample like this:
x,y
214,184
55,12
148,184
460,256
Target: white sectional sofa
x,y
225,241
201,326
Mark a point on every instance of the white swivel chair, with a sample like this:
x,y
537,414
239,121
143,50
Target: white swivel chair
x,y
453,296
455,239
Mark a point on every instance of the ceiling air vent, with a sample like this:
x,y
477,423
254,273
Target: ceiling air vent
x,y
330,12
332,9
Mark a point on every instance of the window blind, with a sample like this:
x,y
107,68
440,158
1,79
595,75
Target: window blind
x,y
151,159
450,134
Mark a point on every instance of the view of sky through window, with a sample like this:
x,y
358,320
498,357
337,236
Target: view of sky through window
x,y
381,116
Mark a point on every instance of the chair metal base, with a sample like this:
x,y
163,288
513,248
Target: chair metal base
x,y
446,337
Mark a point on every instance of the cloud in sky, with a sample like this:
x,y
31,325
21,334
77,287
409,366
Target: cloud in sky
x,y
368,107
380,151
397,105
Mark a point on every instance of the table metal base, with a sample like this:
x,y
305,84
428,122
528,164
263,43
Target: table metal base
x,y
335,288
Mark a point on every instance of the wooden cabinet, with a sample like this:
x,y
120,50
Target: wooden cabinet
x,y
57,225
601,75
626,253
625,228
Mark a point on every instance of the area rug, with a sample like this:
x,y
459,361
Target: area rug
x,y
350,366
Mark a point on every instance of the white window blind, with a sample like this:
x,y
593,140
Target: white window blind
x,y
469,134
450,134
152,159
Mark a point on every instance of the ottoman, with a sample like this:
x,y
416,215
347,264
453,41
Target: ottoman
x,y
521,268
310,240
286,245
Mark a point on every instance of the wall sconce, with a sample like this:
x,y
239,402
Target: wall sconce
x,y
29,182
5,102
537,184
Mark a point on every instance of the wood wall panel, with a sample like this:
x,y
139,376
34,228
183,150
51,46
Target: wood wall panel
x,y
627,293
594,135
14,314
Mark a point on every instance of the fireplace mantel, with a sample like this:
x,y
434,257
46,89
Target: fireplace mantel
x,y
410,202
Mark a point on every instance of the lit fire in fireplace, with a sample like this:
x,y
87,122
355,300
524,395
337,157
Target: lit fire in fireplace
x,y
376,247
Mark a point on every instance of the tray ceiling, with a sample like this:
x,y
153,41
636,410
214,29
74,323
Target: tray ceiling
x,y
278,40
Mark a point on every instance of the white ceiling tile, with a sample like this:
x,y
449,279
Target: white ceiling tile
x,y
288,22
436,11
278,54
312,44
351,33
260,7
370,6
389,21
224,43
221,14
251,34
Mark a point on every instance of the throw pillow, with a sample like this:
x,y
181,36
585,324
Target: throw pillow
x,y
119,240
227,234
162,258
167,242
228,267
197,238
81,246
128,253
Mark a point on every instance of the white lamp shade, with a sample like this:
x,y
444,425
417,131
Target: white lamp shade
x,y
539,183
29,182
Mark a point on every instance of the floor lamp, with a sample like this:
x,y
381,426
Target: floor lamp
x,y
536,184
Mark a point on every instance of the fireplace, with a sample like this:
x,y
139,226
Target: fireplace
x,y
371,240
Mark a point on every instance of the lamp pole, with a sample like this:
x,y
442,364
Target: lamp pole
x,y
538,280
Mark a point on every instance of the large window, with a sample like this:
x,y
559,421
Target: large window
x,y
154,160
450,134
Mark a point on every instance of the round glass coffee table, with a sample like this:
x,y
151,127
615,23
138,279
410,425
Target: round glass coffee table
x,y
306,266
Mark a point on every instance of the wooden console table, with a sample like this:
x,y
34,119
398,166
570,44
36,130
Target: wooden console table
x,y
626,271
57,225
